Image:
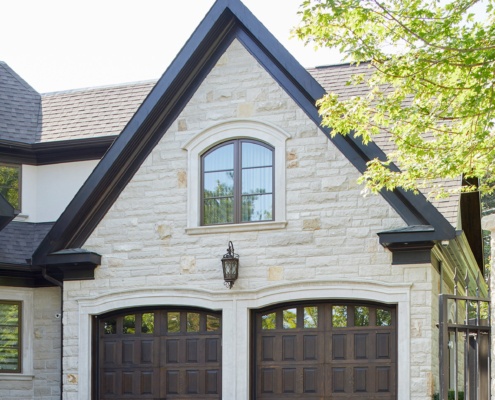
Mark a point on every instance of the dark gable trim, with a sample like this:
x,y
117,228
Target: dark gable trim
x,y
22,275
65,265
227,19
55,152
412,244
72,264
411,253
471,221
7,212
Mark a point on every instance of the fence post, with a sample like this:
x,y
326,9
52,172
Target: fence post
x,y
488,223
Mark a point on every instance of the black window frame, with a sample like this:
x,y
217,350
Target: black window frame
x,y
18,206
237,197
19,337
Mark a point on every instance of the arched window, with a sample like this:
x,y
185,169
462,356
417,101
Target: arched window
x,y
237,183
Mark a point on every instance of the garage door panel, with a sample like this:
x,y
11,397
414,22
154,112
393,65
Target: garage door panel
x,y
268,348
361,380
212,381
311,348
383,345
149,351
267,380
289,347
192,351
289,380
344,351
339,347
212,350
109,353
312,380
172,381
338,380
128,383
192,383
110,383
148,382
361,346
160,353
128,352
172,351
384,378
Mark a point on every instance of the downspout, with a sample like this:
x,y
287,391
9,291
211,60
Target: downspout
x,y
440,267
50,279
60,284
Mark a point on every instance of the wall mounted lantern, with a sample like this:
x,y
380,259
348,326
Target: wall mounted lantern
x,y
230,266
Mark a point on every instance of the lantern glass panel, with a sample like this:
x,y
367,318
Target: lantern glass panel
x,y
230,268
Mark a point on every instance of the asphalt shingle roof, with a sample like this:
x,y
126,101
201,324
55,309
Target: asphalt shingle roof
x,y
18,240
92,112
20,107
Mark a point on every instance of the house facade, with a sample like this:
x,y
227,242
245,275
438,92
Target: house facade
x,y
121,293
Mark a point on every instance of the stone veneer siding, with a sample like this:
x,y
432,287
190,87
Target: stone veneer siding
x,y
330,234
44,383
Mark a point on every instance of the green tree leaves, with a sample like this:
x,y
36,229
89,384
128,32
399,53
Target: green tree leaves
x,y
429,88
9,184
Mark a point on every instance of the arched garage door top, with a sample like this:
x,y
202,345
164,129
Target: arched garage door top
x,y
155,353
325,350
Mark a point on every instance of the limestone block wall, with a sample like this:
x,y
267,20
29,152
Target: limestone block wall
x,y
424,332
41,345
328,246
47,343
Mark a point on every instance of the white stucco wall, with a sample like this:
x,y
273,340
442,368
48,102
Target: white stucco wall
x,y
327,246
48,189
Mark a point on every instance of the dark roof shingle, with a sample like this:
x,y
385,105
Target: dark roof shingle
x,y
18,240
20,107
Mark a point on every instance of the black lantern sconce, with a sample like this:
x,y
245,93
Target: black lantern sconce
x,y
230,266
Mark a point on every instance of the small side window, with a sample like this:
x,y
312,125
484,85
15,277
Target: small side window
x,y
10,183
10,336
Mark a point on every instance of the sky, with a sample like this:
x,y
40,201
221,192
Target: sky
x,y
58,45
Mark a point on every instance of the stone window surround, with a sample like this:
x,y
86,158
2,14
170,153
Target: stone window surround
x,y
210,137
236,316
25,296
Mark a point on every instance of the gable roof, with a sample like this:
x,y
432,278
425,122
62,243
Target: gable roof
x,y
101,112
20,107
227,20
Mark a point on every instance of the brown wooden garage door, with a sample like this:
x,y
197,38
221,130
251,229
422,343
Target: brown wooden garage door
x,y
159,354
326,351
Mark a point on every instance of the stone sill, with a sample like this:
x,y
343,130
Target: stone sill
x,y
21,217
249,227
15,377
